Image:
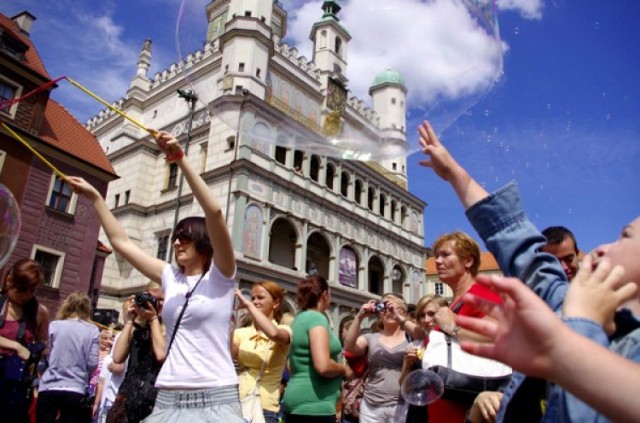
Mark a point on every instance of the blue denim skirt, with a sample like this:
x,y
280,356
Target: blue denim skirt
x,y
197,405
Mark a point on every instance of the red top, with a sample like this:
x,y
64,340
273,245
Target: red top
x,y
10,331
445,411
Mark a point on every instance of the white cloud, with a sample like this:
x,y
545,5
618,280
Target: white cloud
x,y
528,9
448,54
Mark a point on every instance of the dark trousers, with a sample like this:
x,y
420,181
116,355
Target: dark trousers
x,y
63,407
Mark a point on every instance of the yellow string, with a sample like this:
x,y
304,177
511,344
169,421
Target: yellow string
x,y
33,150
115,109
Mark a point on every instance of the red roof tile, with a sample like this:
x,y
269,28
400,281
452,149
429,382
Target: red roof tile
x,y
62,130
32,58
488,263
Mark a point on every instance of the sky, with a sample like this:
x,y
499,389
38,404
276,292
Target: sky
x,y
549,97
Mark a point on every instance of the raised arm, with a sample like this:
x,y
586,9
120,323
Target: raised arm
x,y
468,190
223,254
527,335
355,343
148,265
277,334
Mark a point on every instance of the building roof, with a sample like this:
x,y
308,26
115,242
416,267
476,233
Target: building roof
x,y
31,57
488,263
63,131
388,76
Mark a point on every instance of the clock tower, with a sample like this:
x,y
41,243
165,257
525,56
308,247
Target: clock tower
x,y
330,41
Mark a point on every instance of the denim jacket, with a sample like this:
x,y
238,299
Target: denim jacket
x,y
515,242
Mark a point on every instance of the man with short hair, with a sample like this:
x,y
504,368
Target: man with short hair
x,y
562,244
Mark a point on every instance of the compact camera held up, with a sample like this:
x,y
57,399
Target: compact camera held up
x,y
379,307
142,298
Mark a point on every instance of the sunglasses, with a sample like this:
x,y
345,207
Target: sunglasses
x,y
182,237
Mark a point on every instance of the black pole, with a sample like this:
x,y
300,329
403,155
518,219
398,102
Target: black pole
x,y
190,97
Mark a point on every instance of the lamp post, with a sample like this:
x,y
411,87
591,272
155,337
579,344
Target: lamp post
x,y
191,98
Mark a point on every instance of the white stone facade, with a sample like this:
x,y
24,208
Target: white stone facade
x,y
290,212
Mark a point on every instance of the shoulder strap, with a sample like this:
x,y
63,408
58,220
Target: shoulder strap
x,y
3,309
184,308
264,363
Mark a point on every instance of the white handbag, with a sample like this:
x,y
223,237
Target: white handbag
x,y
464,375
251,405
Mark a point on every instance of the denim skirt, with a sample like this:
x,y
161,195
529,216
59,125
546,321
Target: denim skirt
x,y
197,405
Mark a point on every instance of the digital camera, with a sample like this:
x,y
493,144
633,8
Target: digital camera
x,y
379,307
142,298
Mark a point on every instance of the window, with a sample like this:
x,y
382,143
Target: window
x,y
172,181
344,184
329,176
241,67
127,195
61,197
51,262
281,154
439,288
258,73
7,92
117,201
247,13
163,247
231,142
393,100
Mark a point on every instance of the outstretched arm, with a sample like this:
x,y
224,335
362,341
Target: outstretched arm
x,y
527,335
149,266
219,235
440,160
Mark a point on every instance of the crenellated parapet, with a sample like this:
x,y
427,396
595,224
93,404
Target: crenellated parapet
x,y
300,61
104,114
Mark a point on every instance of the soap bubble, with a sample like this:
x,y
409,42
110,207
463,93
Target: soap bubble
x,y
9,224
422,387
432,59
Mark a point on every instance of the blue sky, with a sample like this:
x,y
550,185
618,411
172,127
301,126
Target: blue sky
x,y
563,118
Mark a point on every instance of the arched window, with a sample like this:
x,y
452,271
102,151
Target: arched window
x,y
331,173
344,184
358,191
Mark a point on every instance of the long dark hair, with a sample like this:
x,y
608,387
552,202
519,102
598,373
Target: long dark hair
x,y
195,227
310,290
26,274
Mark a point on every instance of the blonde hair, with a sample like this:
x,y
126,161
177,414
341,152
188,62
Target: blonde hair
x,y
76,304
400,303
427,299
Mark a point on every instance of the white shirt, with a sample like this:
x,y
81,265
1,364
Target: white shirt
x,y
200,356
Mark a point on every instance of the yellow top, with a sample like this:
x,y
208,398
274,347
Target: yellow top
x,y
252,346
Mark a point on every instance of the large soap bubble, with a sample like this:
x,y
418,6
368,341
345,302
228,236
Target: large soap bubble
x,y
9,224
422,387
421,59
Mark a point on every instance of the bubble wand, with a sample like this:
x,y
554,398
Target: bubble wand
x,y
33,150
104,102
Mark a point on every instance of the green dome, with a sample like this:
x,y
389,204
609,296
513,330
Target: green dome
x,y
388,76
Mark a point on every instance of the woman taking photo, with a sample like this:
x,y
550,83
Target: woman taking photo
x,y
143,342
63,393
23,322
314,387
197,382
385,351
262,348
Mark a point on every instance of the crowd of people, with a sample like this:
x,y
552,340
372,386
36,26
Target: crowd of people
x,y
180,357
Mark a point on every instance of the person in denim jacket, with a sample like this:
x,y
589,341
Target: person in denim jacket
x,y
500,221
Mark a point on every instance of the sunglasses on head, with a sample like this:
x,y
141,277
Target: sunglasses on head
x,y
182,237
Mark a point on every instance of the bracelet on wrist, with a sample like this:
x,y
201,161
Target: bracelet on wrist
x,y
153,318
174,155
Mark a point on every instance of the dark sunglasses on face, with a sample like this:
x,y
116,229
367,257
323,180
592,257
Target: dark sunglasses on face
x,y
182,237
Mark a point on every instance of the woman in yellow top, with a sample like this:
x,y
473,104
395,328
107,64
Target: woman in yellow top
x,y
250,346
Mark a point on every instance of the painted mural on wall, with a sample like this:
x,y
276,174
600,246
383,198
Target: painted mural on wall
x,y
252,234
348,268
